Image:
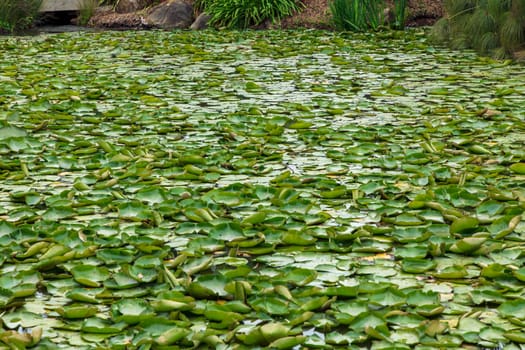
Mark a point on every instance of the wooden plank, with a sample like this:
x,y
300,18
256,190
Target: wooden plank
x,y
60,5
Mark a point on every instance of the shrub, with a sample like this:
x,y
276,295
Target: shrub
x,y
18,15
241,14
492,27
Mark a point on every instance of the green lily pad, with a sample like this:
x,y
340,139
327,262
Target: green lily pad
x,y
270,305
8,132
513,308
467,245
464,225
415,265
101,326
131,311
91,276
208,286
518,168
77,311
451,272
227,232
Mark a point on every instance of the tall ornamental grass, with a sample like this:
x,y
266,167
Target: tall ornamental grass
x,y
491,27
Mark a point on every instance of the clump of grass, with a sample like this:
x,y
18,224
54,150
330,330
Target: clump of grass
x,y
357,15
400,7
87,10
241,14
492,27
364,15
18,15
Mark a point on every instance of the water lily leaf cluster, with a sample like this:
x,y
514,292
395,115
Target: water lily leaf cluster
x,y
245,190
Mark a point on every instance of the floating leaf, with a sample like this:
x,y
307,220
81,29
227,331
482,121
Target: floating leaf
x,y
518,168
8,132
227,232
415,265
464,225
513,308
270,305
91,276
131,311
101,326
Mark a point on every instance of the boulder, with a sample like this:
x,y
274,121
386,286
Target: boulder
x,y
128,6
172,14
201,22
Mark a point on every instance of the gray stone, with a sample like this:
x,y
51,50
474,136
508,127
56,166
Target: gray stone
x,y
201,22
173,14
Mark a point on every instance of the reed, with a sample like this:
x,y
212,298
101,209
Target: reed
x,y
357,15
400,7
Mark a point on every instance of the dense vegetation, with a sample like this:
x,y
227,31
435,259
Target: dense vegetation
x,y
17,15
259,189
492,27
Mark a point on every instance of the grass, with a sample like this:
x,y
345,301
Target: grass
x,y
364,15
357,15
241,14
87,11
18,15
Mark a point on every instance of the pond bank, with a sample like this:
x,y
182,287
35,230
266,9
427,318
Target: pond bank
x,y
315,15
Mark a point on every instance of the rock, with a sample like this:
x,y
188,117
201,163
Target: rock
x,y
425,8
173,14
201,22
127,6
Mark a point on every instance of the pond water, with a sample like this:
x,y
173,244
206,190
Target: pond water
x,y
282,189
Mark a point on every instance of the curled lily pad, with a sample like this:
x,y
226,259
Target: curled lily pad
x,y
468,244
77,311
464,225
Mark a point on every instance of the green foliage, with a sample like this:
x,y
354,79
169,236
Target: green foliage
x,y
241,14
492,27
86,11
400,7
357,15
364,15
17,15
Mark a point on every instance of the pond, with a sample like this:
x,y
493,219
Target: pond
x,y
259,189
